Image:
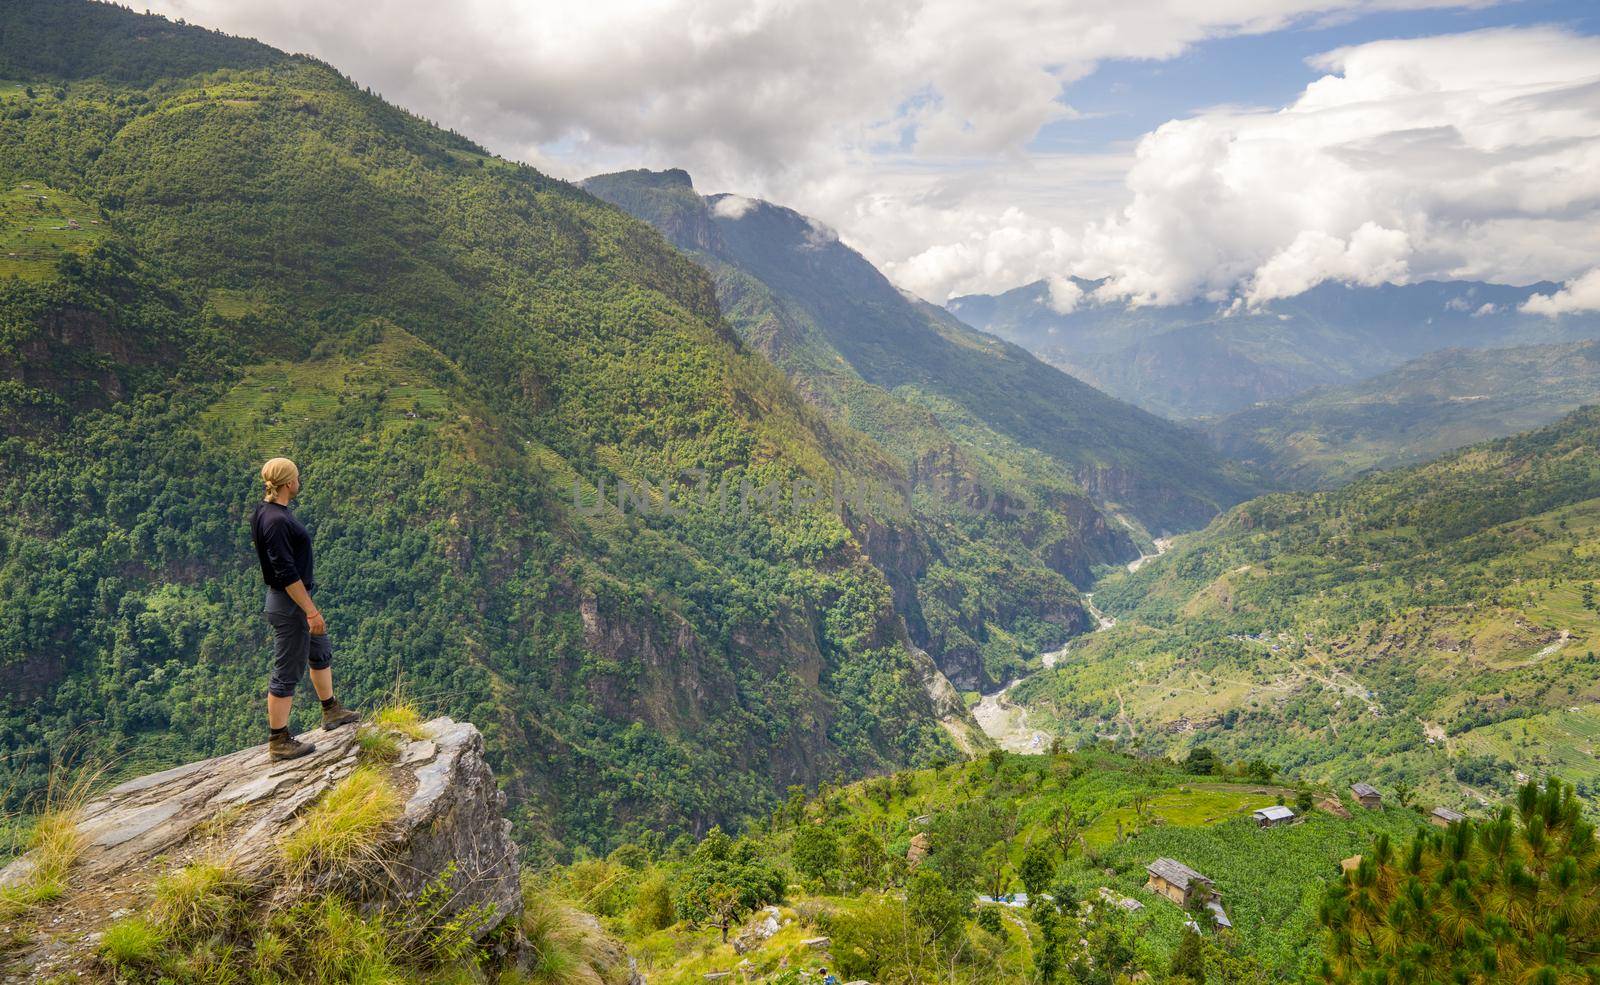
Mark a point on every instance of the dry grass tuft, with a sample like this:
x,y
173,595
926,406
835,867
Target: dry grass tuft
x,y
345,827
400,716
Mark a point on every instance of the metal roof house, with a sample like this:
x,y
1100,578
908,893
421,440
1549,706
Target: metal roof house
x,y
1270,817
1443,817
1367,795
1178,882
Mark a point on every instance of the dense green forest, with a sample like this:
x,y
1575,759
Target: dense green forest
x,y
229,253
1434,626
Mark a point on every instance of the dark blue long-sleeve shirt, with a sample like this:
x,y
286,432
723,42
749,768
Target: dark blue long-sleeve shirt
x,y
283,544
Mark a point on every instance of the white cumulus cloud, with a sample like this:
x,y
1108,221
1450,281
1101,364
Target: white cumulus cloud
x,y
906,124
1582,294
1463,155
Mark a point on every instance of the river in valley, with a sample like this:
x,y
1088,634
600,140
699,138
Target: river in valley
x,y
1007,723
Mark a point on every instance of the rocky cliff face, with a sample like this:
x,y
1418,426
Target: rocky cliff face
x,y
447,837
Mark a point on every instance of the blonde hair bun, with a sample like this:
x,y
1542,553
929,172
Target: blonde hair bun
x,y
276,474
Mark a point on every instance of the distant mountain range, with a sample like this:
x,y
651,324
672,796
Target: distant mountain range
x,y
1198,360
1417,411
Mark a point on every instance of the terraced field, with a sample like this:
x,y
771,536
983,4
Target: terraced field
x,y
39,225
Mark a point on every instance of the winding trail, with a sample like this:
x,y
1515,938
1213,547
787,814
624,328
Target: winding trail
x,y
1007,723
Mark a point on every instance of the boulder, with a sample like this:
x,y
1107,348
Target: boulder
x,y
758,931
239,807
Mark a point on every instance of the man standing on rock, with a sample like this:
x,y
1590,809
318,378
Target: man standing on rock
x,y
299,633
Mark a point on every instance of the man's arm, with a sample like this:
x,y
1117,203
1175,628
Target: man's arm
x,y
302,598
275,541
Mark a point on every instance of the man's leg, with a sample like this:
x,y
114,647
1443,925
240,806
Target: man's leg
x,y
278,708
291,640
320,657
322,680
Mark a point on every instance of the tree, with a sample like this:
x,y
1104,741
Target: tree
x,y
989,919
652,907
719,861
795,806
997,868
815,851
1200,761
1111,949
865,859
1037,869
1189,960
936,908
723,902
1063,828
1512,899
1402,793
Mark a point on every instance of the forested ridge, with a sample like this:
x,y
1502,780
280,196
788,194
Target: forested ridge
x,y
1027,481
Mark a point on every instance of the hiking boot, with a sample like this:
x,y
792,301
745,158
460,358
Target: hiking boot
x,y
286,746
336,714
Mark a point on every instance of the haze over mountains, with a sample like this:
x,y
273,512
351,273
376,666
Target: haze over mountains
x,y
1417,411
1202,359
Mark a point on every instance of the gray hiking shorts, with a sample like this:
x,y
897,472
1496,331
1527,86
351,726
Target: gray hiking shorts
x,y
293,646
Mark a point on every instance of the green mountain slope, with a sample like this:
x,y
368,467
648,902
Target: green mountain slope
x,y
461,353
1433,625
1023,477
830,313
1417,411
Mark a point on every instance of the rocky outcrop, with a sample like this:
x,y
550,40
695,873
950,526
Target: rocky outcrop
x,y
239,809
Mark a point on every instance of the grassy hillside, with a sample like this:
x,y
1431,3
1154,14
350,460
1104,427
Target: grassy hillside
x,y
1433,627
1420,410
1204,359
461,353
1067,824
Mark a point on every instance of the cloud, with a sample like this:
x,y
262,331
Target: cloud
x,y
1064,294
1372,255
732,206
906,124
1581,294
1433,157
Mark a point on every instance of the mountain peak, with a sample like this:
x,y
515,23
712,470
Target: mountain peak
x,y
668,178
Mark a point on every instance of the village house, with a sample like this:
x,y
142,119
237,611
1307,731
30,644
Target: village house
x,y
1178,883
1443,817
1271,817
1367,795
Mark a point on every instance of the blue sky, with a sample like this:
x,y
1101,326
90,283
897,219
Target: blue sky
x,y
1124,99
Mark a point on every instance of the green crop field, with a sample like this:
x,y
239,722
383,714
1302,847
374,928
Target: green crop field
x,y
40,224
